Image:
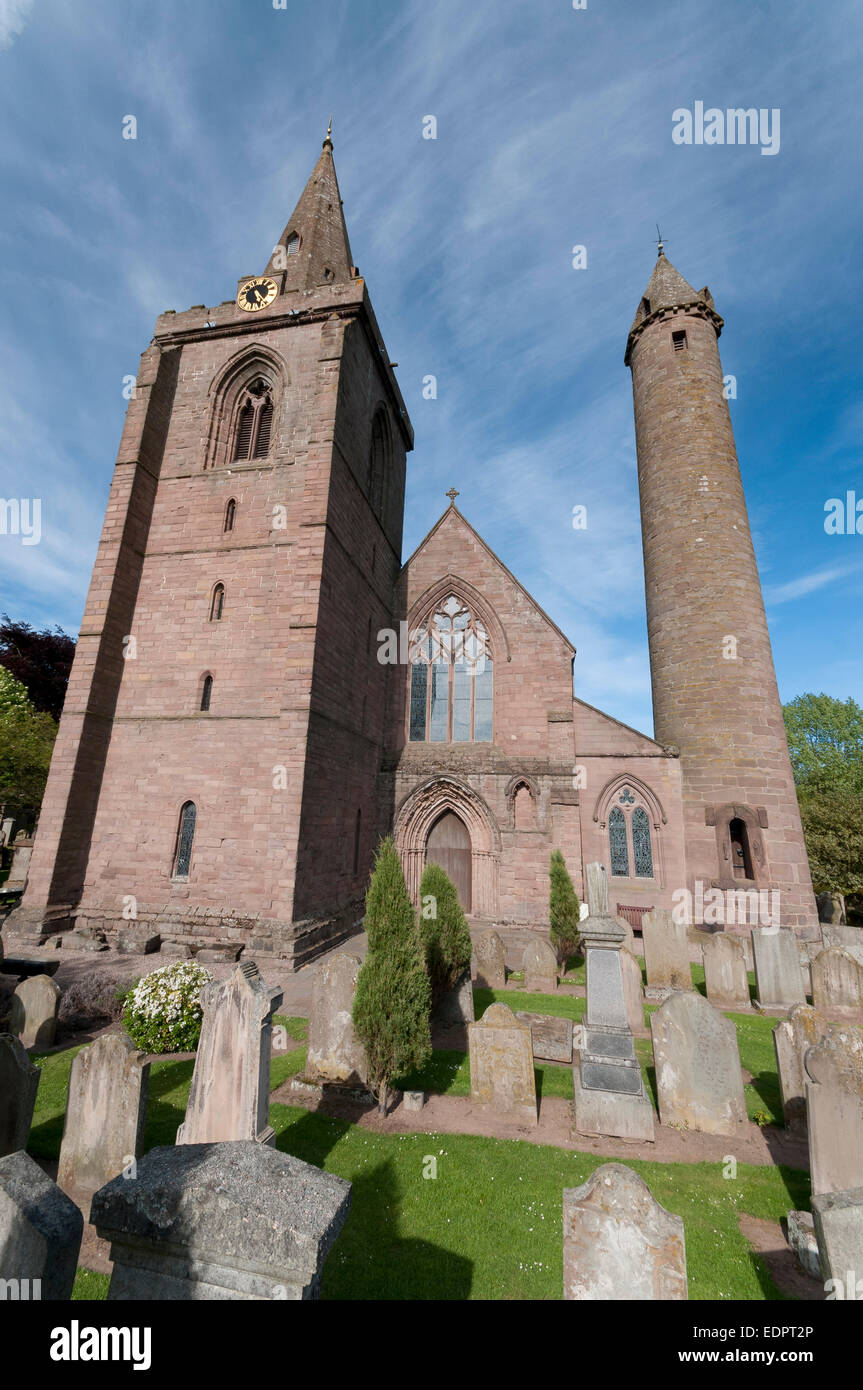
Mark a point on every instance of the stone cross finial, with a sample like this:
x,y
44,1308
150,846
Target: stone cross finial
x,y
452,495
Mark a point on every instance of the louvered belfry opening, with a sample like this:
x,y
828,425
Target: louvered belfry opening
x,y
254,422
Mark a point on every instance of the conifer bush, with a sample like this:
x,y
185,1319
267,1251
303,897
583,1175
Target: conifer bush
x,y
563,909
444,931
392,1003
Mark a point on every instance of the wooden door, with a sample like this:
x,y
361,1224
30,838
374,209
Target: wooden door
x,y
448,844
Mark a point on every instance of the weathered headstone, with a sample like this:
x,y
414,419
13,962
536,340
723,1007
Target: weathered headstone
x,y
551,1038
501,1064
838,1220
619,1243
837,982
335,1055
230,1093
234,1220
725,972
633,989
834,1109
699,1084
608,1088
792,1038
831,908
455,1009
778,977
490,970
849,938
22,851
40,1231
19,1082
666,953
105,1113
33,1016
540,967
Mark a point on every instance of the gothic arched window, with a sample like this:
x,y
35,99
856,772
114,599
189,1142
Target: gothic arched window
x,y
379,460
206,692
629,837
185,836
217,603
451,691
292,245
230,514
254,422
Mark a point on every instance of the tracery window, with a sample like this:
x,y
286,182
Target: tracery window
x,y
185,836
254,422
452,688
629,837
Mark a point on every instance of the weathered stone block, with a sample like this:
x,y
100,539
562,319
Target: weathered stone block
x,y
137,941
725,975
792,1038
19,1082
540,967
105,1114
501,1064
455,1009
834,1109
778,977
490,971
40,1229
699,1084
837,982
335,1054
33,1015
551,1038
666,953
619,1243
838,1218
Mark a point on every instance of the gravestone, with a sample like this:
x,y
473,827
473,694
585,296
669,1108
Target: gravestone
x,y
501,1064
666,954
725,973
19,1082
608,1088
699,1084
633,990
540,968
33,1016
831,908
619,1243
837,982
838,1220
849,938
335,1055
792,1037
230,1094
778,977
235,1220
105,1114
40,1231
455,1009
22,850
834,1109
490,962
551,1038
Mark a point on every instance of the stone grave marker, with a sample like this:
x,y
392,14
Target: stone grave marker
x,y
490,962
698,1080
33,1016
849,938
834,1109
501,1064
792,1037
838,1220
40,1231
234,1220
230,1094
778,976
551,1038
633,990
105,1114
455,1009
837,982
540,967
725,973
666,954
619,1243
19,1082
335,1055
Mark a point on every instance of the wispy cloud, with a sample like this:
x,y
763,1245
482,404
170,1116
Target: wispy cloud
x,y
805,584
13,18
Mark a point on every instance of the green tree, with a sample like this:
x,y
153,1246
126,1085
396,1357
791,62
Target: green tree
x,y
392,1004
445,935
26,742
833,828
825,740
563,909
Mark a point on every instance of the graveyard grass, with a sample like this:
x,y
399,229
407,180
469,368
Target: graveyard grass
x,y
488,1226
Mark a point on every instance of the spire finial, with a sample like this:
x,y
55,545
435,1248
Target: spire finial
x,y
328,139
660,244
452,495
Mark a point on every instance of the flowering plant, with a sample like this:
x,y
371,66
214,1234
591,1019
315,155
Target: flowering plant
x,y
162,1012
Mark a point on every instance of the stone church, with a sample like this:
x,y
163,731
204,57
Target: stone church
x,y
237,737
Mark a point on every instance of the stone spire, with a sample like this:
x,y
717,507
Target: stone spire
x,y
667,290
314,249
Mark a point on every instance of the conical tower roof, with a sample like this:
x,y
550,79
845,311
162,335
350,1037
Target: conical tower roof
x,y
314,248
667,289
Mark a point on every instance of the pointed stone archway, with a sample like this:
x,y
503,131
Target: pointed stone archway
x,y
424,817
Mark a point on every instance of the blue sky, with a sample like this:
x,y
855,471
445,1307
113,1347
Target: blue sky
x,y
553,130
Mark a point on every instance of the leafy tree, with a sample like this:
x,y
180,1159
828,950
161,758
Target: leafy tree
x,y
392,1004
825,740
833,828
26,741
445,936
563,909
41,660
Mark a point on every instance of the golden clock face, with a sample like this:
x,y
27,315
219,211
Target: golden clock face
x,y
257,294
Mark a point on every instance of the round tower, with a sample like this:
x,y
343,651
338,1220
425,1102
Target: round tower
x,y
715,696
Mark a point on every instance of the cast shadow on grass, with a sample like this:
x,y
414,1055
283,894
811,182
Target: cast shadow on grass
x,y
166,1101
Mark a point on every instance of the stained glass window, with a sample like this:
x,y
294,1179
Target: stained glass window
x,y
184,839
641,851
451,690
618,843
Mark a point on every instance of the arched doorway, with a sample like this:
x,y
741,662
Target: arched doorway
x,y
448,844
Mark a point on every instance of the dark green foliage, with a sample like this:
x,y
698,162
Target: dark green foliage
x,y
833,828
445,936
563,909
825,740
392,1003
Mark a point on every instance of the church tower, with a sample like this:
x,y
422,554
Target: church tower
x,y
715,696
215,772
